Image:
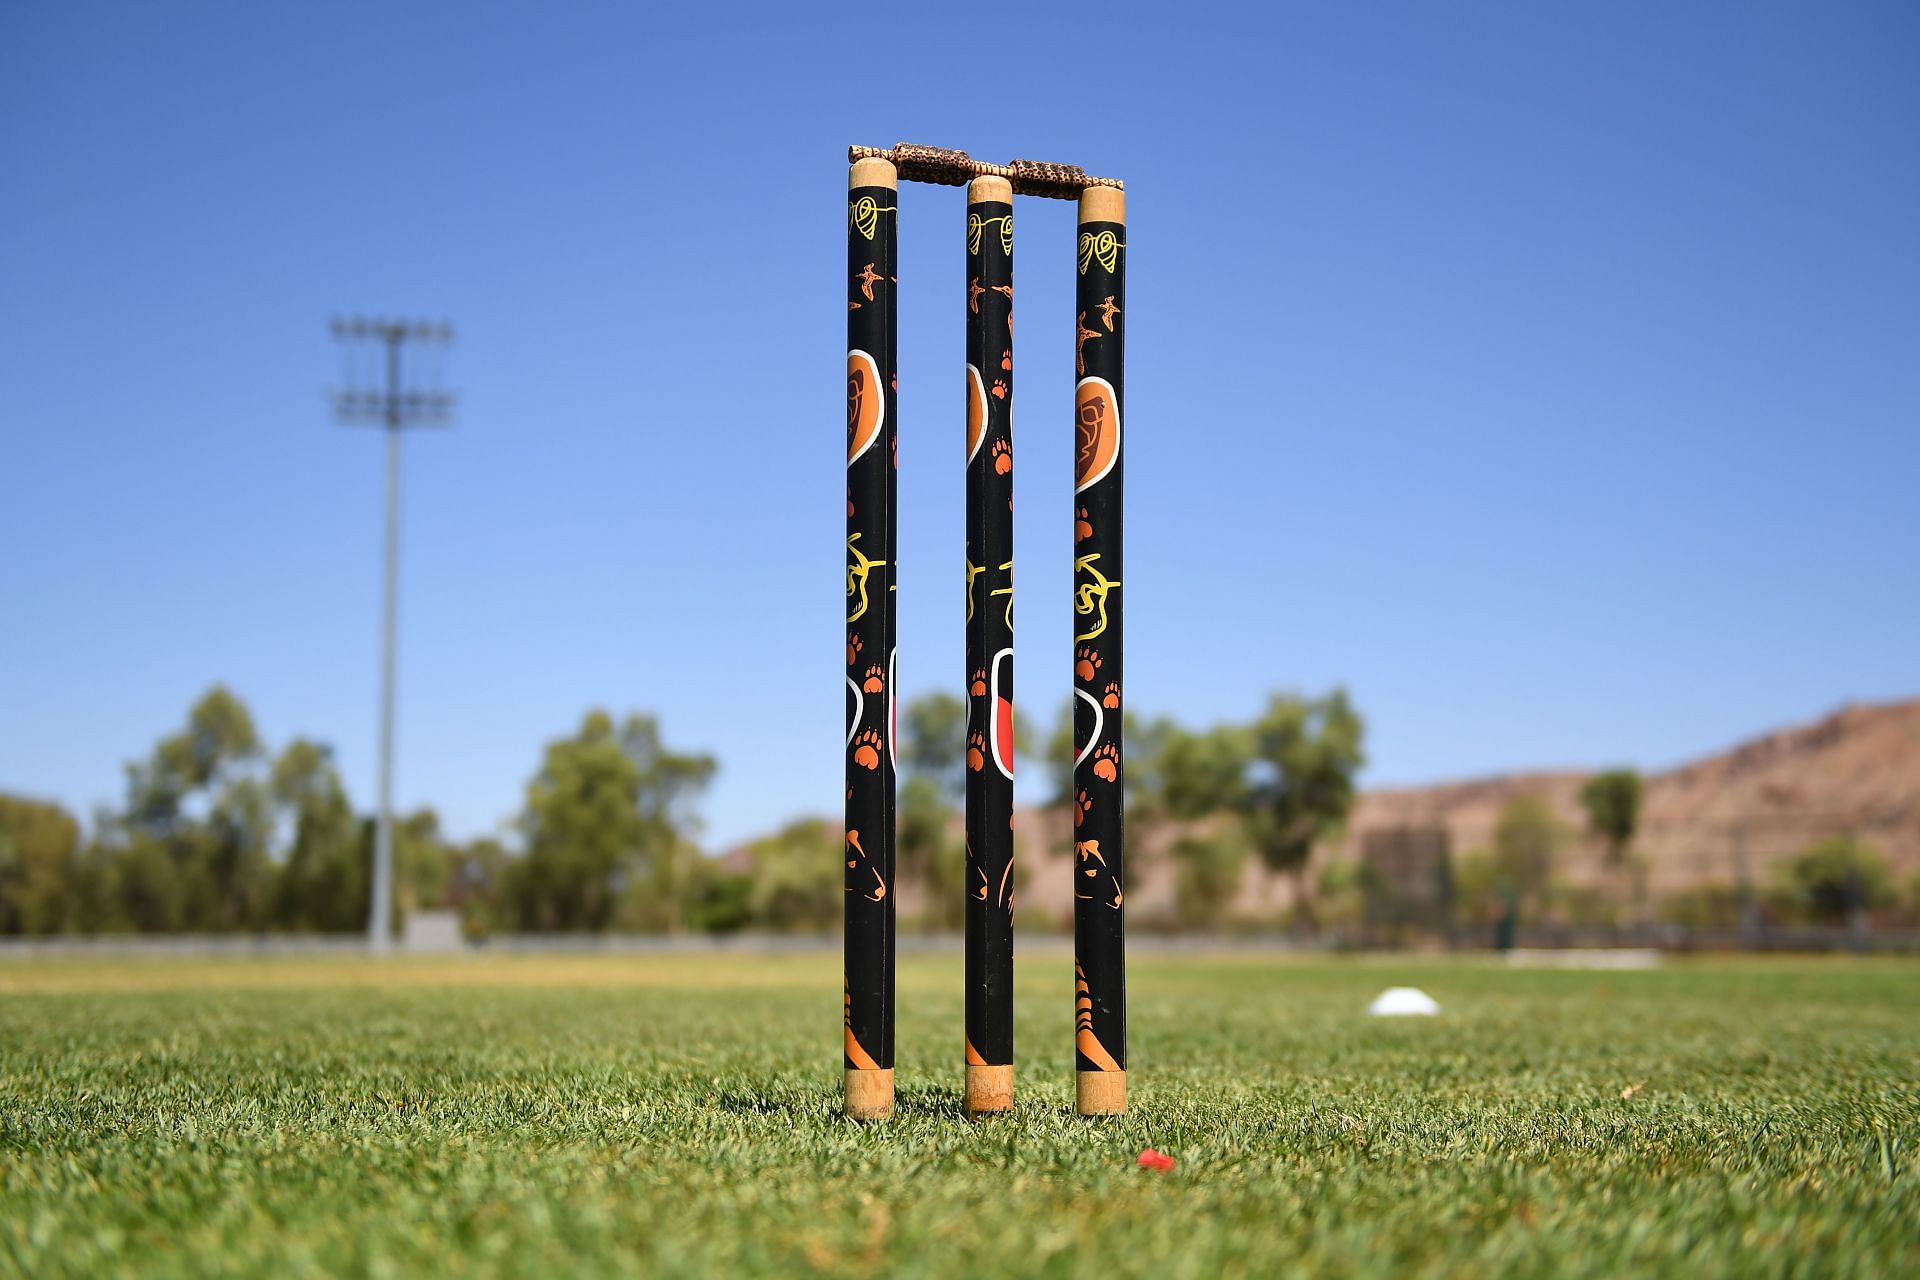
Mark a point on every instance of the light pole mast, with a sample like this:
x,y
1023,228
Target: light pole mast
x,y
393,407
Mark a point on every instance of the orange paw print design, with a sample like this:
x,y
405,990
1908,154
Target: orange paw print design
x,y
1106,763
999,389
1111,698
854,645
875,681
976,751
1082,527
867,746
1002,457
1006,362
1081,805
1086,664
978,685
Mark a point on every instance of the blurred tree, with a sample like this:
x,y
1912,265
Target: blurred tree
x,y
144,890
322,883
90,904
1206,876
1194,776
797,876
719,897
1612,802
933,741
1344,884
1199,773
425,862
194,841
1476,886
660,901
1525,842
933,744
1832,880
1306,752
931,850
609,813
39,866
477,874
1146,744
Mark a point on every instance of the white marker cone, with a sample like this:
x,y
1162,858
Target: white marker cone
x,y
1400,1002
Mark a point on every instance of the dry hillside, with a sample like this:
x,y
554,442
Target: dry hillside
x,y
1857,770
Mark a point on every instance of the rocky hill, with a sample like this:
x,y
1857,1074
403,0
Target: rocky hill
x,y
1855,770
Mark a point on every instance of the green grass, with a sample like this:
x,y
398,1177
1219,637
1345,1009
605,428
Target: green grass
x,y
676,1115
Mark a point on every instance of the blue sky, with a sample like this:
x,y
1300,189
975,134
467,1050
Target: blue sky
x,y
1547,375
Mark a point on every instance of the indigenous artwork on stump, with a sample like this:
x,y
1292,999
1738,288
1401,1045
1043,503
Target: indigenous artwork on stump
x,y
871,556
989,643
1100,1027
1100,998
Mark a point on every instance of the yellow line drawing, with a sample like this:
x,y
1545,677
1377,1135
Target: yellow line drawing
x,y
1101,246
858,567
1006,591
973,571
863,215
977,224
1090,598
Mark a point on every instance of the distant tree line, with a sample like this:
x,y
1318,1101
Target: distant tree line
x,y
218,833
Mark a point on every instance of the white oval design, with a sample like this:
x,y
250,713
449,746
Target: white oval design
x,y
1099,723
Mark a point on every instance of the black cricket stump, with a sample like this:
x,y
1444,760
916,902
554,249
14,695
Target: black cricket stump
x,y
989,646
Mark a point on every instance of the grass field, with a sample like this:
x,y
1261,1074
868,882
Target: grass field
x,y
672,1115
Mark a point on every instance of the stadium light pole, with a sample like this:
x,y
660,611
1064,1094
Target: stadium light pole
x,y
396,398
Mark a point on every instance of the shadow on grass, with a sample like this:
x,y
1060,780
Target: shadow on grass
x,y
935,1102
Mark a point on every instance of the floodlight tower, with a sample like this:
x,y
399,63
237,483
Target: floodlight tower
x,y
409,394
